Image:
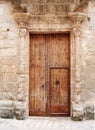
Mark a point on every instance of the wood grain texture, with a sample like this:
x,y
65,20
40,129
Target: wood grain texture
x,y
59,50
37,75
49,74
59,87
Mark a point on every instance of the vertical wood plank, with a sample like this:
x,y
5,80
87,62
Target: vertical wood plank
x,y
37,75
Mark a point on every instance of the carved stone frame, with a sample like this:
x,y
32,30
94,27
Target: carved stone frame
x,y
22,20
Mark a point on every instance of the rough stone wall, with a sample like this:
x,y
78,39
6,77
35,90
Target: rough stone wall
x,y
88,61
9,62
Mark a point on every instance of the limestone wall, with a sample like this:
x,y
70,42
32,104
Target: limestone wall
x,y
88,61
9,60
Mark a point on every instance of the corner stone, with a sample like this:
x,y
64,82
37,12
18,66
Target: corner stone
x,y
77,114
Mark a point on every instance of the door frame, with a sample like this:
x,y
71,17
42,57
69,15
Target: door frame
x,y
25,45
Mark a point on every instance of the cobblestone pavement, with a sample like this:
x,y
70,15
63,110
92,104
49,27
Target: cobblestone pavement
x,y
46,123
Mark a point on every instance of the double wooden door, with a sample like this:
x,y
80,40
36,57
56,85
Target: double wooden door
x,y
49,92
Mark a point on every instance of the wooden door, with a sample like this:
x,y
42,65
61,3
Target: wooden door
x,y
49,74
37,97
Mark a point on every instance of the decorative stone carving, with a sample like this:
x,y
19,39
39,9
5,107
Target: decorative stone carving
x,y
76,18
76,30
22,32
22,19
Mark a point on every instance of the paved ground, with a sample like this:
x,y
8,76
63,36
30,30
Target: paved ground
x,y
46,123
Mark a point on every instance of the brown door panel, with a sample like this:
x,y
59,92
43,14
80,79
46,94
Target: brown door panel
x,y
59,88
37,97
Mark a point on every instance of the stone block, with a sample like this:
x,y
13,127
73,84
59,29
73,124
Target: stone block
x,y
1,10
36,1
20,114
6,103
12,35
61,9
5,43
7,8
33,9
56,1
11,109
71,7
2,77
23,78
89,112
7,113
11,87
8,52
11,77
3,34
50,9
41,9
7,95
6,109
1,87
77,113
8,68
9,60
8,91
20,110
22,94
